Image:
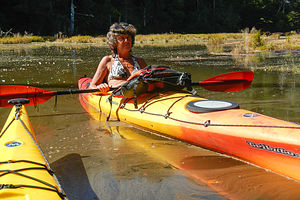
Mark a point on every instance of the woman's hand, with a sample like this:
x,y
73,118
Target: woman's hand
x,y
103,87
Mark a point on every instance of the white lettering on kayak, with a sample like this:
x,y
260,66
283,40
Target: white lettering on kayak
x,y
273,149
251,115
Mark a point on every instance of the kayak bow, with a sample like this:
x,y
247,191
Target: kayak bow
x,y
24,171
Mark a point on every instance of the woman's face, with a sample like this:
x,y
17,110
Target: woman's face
x,y
123,42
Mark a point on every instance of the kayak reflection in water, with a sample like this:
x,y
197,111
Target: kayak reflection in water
x,y
113,70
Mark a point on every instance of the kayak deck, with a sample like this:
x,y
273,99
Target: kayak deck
x,y
261,140
24,171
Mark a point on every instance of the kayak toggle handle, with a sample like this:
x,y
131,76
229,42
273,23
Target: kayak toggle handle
x,y
18,102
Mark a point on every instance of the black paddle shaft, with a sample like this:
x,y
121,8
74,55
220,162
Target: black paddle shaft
x,y
76,91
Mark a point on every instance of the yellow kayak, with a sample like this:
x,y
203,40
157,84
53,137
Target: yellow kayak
x,y
24,170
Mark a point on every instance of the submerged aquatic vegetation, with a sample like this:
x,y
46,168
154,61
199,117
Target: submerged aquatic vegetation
x,y
283,60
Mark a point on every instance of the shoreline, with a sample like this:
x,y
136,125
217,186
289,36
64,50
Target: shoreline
x,y
239,46
239,43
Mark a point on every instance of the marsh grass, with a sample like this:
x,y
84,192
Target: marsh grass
x,y
254,41
238,43
18,39
185,39
257,39
78,39
289,41
251,41
215,44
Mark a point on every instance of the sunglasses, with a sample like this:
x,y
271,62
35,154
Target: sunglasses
x,y
121,25
123,38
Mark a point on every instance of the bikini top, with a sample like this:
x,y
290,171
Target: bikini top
x,y
118,71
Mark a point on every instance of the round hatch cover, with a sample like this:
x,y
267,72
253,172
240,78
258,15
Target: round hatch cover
x,y
202,106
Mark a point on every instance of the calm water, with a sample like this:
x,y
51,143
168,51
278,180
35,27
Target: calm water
x,y
94,161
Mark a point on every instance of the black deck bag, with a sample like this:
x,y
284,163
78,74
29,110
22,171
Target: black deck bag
x,y
154,78
151,79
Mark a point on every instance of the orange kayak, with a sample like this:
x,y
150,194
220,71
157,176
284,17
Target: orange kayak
x,y
219,126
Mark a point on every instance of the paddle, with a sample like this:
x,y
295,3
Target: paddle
x,y
35,95
228,82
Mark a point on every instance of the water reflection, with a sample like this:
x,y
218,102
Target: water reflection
x,y
283,61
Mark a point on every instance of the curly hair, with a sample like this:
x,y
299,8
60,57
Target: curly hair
x,y
119,29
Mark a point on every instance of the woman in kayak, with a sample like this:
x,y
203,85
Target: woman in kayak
x,y
113,70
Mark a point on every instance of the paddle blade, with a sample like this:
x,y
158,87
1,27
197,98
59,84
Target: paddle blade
x,y
228,82
35,95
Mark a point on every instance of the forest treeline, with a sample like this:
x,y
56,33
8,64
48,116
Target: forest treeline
x,y
93,17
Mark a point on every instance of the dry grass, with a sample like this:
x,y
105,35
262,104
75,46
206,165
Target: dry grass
x,y
18,39
241,43
254,41
184,39
78,39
